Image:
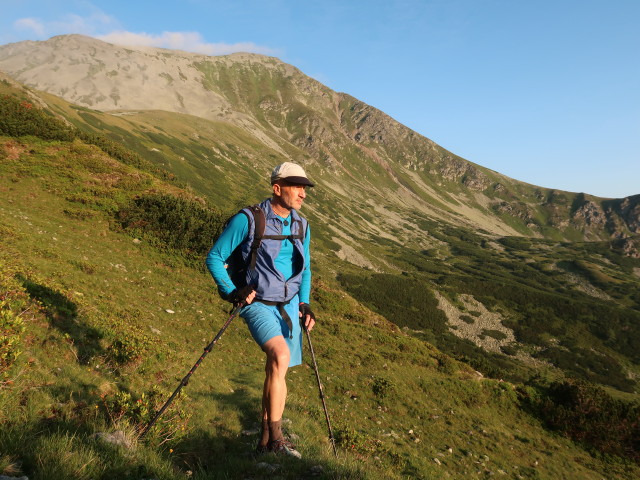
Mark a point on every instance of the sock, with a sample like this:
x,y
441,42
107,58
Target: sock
x,y
275,431
264,434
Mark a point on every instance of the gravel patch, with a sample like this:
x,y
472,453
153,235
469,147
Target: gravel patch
x,y
482,320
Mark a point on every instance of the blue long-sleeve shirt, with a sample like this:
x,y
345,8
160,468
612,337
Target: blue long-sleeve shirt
x,y
235,233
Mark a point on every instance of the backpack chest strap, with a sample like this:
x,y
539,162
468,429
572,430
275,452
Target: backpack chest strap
x,y
283,237
258,233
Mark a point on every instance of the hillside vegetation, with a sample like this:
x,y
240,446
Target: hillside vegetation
x,y
197,114
105,304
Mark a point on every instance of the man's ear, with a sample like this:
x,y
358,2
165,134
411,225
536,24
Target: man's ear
x,y
277,190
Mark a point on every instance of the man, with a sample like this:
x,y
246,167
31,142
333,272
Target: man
x,y
275,289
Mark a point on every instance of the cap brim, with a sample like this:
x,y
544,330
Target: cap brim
x,y
298,181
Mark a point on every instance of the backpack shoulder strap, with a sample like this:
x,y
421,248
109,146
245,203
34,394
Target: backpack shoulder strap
x,y
303,225
259,225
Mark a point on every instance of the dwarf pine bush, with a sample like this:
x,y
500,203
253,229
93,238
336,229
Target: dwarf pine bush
x,y
178,223
11,330
588,414
21,117
13,302
138,411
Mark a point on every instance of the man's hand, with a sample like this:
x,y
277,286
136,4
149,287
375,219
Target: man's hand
x,y
307,317
243,295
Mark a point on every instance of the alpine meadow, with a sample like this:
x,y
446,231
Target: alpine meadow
x,y
469,325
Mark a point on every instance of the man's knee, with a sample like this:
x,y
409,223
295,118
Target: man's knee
x,y
278,356
279,360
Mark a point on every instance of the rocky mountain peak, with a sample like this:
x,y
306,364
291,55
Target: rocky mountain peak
x,y
297,118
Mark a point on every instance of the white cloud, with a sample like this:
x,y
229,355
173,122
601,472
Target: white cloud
x,y
92,24
187,41
105,27
32,24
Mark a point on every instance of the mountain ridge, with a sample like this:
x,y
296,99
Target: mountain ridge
x,y
339,138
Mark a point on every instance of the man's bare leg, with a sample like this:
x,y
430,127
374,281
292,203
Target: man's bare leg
x,y
274,393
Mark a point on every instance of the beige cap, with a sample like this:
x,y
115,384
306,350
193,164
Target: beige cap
x,y
290,172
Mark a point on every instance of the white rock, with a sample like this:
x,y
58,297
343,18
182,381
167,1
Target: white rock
x,y
267,467
114,438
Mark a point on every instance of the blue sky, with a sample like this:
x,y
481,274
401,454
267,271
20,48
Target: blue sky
x,y
546,92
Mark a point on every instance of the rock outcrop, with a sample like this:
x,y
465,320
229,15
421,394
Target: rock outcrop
x,y
336,136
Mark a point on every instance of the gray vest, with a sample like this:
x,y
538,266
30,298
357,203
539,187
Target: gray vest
x,y
271,284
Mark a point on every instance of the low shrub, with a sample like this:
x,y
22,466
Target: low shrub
x,y
467,319
509,350
14,301
178,223
590,365
447,364
406,301
139,411
11,330
126,350
497,334
129,341
589,415
20,117
383,387
349,438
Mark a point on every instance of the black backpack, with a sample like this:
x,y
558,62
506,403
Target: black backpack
x,y
236,266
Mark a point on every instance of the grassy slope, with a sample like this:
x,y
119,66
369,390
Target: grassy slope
x,y
395,401
80,323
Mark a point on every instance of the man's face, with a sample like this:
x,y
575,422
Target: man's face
x,y
290,195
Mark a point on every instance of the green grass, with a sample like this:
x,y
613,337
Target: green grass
x,y
114,317
95,286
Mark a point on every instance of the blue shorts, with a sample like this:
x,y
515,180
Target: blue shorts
x,y
265,322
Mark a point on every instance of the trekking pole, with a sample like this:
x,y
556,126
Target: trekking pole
x,y
324,404
185,380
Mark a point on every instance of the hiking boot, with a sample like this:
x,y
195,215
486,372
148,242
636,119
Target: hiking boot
x,y
262,449
284,447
